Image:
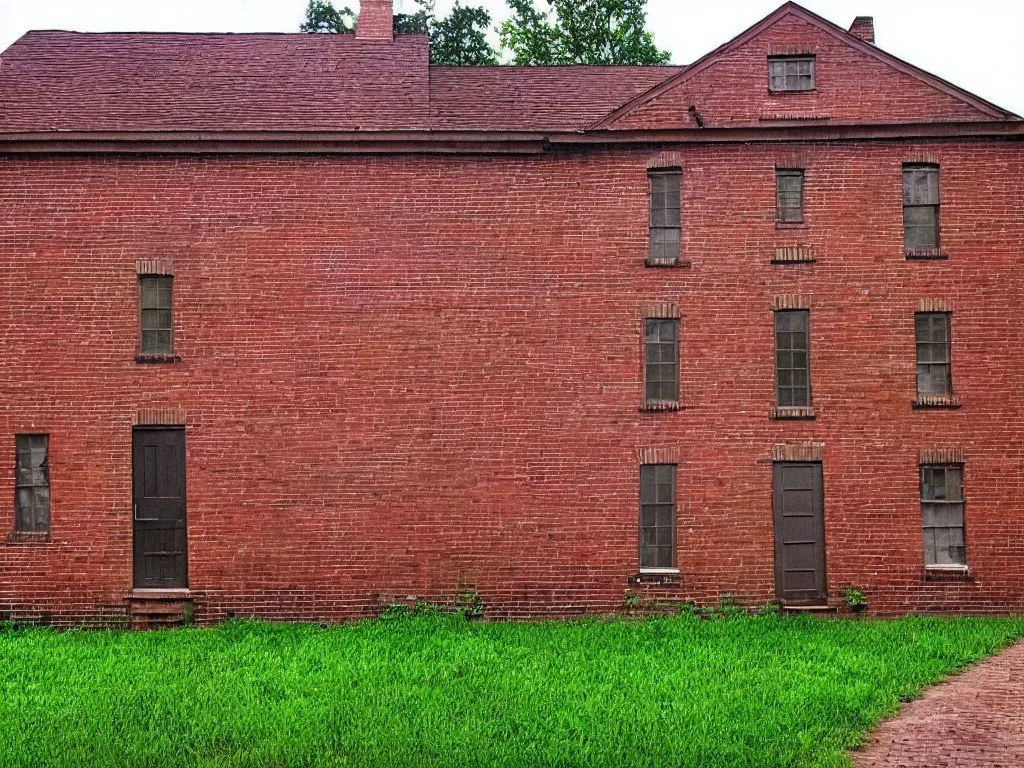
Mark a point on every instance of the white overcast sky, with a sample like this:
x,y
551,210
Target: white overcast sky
x,y
975,44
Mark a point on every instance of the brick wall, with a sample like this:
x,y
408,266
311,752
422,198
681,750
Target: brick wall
x,y
406,376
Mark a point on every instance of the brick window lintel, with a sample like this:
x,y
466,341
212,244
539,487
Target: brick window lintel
x,y
798,452
941,456
658,455
791,301
160,417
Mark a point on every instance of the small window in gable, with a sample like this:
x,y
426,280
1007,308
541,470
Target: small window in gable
x,y
791,73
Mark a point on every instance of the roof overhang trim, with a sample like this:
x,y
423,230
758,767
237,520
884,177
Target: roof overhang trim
x,y
468,142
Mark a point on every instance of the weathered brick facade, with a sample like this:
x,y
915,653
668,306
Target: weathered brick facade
x,y
404,375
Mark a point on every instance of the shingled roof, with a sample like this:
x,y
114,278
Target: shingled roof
x,y
70,81
299,89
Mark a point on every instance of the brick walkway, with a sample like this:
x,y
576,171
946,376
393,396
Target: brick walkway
x,y
975,719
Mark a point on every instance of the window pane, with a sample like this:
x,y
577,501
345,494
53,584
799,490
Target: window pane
x,y
954,484
791,73
665,215
156,315
657,519
32,480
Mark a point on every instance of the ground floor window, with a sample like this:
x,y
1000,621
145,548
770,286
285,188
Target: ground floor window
x,y
657,515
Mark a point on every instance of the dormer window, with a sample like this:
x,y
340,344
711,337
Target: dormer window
x,y
790,73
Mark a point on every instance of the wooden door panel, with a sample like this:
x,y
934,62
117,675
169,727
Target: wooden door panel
x,y
160,546
798,502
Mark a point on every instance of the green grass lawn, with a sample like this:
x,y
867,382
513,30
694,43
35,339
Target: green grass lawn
x,y
436,690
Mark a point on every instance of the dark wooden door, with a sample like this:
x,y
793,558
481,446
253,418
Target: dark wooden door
x,y
161,555
799,533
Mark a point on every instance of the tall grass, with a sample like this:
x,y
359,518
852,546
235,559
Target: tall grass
x,y
436,690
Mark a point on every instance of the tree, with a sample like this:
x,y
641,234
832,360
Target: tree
x,y
580,32
323,17
459,39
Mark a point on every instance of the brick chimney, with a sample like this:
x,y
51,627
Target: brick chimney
x,y
864,28
375,20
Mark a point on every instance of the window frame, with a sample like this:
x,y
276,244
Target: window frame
x,y
143,309
959,505
780,209
946,346
661,218
796,59
36,483
806,314
935,244
651,474
661,364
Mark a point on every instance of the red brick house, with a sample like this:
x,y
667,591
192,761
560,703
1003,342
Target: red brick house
x,y
299,326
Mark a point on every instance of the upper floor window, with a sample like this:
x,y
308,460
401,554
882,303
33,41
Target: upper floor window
x,y
661,370
791,73
666,223
942,515
155,310
934,369
32,484
920,207
789,195
657,515
792,359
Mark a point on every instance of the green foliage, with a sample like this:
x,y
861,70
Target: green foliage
x,y
770,609
433,689
580,32
323,17
728,607
469,604
459,39
855,600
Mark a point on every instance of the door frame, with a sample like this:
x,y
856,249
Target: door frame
x,y
820,549
136,429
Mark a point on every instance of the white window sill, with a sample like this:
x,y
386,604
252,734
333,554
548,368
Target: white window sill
x,y
948,568
646,571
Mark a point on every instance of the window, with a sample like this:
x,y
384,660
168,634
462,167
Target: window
x,y
920,207
791,73
661,374
789,196
31,484
666,224
792,364
934,375
942,515
155,306
657,515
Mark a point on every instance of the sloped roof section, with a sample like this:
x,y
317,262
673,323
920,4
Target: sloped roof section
x,y
534,98
69,81
856,83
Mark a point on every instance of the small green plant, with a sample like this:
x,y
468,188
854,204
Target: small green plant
x,y
188,615
630,601
769,609
686,609
728,607
855,600
469,604
396,611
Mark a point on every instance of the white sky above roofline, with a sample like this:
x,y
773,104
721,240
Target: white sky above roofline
x,y
974,45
